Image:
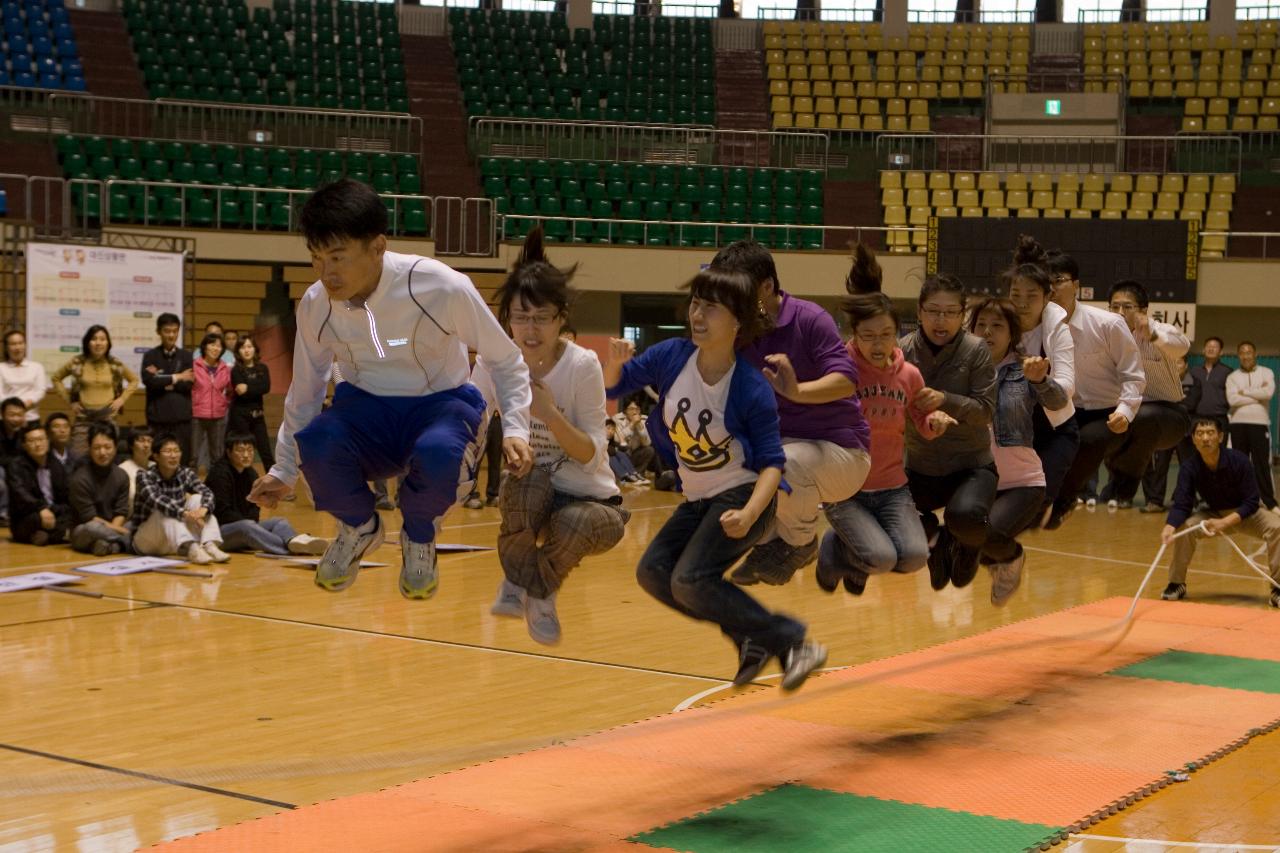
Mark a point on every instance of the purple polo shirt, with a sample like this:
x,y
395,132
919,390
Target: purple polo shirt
x,y
807,334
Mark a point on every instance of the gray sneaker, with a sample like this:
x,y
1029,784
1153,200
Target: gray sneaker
x,y
341,561
774,562
1006,578
540,616
418,576
510,600
801,661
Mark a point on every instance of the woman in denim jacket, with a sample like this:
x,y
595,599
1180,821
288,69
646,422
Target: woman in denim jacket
x,y
1022,386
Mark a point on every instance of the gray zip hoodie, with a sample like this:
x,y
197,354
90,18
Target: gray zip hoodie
x,y
963,371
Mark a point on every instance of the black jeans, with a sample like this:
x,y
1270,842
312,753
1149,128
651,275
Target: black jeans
x,y
1158,425
1012,512
1056,449
967,495
1254,440
1097,442
27,526
1155,483
684,567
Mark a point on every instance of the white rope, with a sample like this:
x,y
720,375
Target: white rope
x,y
1249,559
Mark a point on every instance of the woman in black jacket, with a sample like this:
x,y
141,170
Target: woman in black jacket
x,y
250,379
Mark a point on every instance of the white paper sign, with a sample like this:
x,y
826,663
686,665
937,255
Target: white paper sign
x,y
130,566
35,580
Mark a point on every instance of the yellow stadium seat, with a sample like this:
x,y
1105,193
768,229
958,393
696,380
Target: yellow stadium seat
x,y
822,89
866,89
777,72
895,215
988,181
824,105
778,87
998,213
1066,199
801,89
1079,213
918,124
1068,183
828,121
939,181
915,181
1242,124
1267,123
819,72
1219,201
873,122
967,198
1194,201
850,122
1215,124
1122,183
1146,184
1054,213
963,181
1141,200
972,91
869,106
1016,181
992,198
1193,107
780,104
782,120
917,198
1116,201
841,73
1164,214
1016,198
1172,183
1247,107
946,213
847,106
1110,214
1197,184
971,212
1219,107
1132,213
1042,199
920,215
1216,220
1041,181
896,124
844,89
896,107
1168,201
942,198
806,120
1224,183
1028,213
802,105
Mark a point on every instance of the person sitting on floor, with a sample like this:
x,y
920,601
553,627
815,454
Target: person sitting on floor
x,y
140,441
173,510
231,479
38,510
1224,479
58,426
99,493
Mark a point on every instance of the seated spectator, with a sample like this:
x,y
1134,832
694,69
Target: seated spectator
x,y
173,510
231,479
13,415
140,441
1224,480
38,504
58,425
619,461
634,436
99,498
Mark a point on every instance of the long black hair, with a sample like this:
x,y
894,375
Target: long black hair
x,y
88,336
865,275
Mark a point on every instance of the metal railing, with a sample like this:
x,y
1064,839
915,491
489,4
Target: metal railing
x,y
1246,244
1060,81
58,112
41,200
1182,154
648,143
1162,11
971,16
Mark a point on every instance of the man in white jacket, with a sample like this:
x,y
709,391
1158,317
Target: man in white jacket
x,y
398,327
1249,393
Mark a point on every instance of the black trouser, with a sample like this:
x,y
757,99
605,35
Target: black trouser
x,y
1254,440
1097,442
1158,425
1012,512
242,420
1155,483
180,429
26,527
967,495
1056,448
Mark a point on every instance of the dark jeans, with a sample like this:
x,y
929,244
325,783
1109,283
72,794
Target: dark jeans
x,y
1097,442
1254,440
493,454
1056,449
1155,483
967,495
241,420
684,567
26,527
1012,512
1157,426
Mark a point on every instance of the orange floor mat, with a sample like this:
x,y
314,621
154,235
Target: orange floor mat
x,y
1021,723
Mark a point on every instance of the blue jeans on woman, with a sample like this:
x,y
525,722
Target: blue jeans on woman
x,y
271,535
879,532
684,567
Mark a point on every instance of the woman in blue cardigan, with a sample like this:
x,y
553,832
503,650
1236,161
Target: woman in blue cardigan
x,y
716,424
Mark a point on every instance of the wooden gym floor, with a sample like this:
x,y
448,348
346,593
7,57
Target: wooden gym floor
x,y
173,706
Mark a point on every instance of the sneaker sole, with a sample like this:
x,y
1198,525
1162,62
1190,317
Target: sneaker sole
x,y
422,594
544,639
342,583
506,610
793,682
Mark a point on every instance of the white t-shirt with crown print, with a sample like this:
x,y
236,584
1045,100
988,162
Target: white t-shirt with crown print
x,y
710,458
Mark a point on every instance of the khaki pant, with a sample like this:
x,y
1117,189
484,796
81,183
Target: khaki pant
x,y
160,535
818,472
1263,524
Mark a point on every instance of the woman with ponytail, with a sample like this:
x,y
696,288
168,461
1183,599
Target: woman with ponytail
x,y
568,507
1046,336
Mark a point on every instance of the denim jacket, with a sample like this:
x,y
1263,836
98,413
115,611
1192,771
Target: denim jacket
x,y
1016,401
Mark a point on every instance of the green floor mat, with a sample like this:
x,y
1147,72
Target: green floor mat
x,y
1260,676
797,819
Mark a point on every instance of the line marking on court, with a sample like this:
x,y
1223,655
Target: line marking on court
x,y
79,616
443,643
1128,562
138,774
710,691
1199,845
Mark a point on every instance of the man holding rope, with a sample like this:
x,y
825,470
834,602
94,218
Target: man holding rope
x,y
1224,480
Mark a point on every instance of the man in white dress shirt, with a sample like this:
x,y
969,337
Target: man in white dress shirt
x,y
398,327
20,376
1109,382
1162,419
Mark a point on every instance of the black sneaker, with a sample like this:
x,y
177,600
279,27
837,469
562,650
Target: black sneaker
x,y
940,561
1152,507
855,581
751,659
1177,592
964,564
1058,516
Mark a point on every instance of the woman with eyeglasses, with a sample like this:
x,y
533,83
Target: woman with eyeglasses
x,y
1046,336
878,530
568,506
954,472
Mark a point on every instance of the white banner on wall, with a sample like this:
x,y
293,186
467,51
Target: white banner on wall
x,y
70,288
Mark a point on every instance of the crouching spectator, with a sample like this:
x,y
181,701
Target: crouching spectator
x,y
231,479
173,510
39,513
99,492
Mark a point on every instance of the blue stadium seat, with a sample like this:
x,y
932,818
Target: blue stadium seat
x,y
4,203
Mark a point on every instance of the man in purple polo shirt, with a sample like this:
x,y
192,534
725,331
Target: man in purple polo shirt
x,y
824,435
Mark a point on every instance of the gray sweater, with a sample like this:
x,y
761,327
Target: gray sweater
x,y
963,371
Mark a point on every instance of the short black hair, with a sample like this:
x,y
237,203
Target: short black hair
x,y
168,318
235,438
30,428
1247,344
342,210
1221,343
750,257
1059,262
162,439
56,416
210,338
88,336
209,325
942,282
98,428
1133,288
137,433
1205,420
12,401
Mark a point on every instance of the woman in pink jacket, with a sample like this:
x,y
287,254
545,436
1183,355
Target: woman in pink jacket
x,y
878,530
210,399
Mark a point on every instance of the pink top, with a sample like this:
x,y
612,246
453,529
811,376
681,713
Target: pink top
x,y
885,394
211,395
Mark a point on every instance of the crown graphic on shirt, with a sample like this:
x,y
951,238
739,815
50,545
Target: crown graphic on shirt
x,y
696,450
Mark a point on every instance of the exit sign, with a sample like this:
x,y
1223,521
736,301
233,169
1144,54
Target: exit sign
x,y
1052,107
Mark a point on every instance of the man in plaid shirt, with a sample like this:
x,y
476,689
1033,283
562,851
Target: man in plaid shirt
x,y
173,510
